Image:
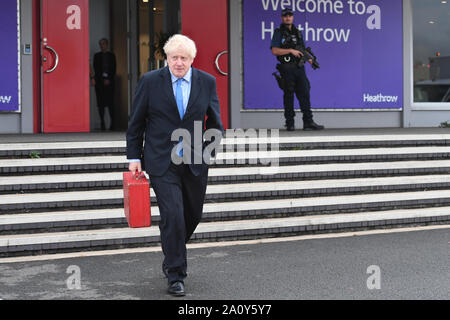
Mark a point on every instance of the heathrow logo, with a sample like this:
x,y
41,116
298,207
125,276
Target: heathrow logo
x,y
5,99
379,98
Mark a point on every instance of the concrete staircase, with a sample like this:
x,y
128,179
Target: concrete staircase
x,y
70,198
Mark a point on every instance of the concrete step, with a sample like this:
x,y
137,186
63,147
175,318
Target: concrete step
x,y
62,148
119,146
9,184
333,170
332,155
74,181
58,221
9,166
26,244
71,199
230,192
237,210
21,166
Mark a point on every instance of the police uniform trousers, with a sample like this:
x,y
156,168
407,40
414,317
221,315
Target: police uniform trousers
x,y
297,83
180,197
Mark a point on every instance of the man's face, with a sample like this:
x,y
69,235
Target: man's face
x,y
103,45
179,63
287,19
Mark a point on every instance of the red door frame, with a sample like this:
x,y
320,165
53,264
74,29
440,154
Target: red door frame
x,y
206,22
36,66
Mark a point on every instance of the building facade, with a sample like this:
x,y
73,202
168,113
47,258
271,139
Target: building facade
x,y
384,63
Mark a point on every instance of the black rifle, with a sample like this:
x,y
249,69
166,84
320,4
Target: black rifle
x,y
307,55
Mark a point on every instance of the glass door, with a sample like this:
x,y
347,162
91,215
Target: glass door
x,y
157,21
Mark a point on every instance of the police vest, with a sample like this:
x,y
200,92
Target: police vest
x,y
290,40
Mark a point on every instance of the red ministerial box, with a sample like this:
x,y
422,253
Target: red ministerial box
x,y
136,198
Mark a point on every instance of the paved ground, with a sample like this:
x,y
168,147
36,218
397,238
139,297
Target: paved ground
x,y
407,265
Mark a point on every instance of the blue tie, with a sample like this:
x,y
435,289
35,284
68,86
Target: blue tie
x,y
179,98
180,104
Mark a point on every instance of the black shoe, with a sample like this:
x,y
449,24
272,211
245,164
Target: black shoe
x,y
311,125
290,127
176,289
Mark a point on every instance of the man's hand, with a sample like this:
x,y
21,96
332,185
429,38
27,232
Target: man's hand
x,y
135,167
282,52
296,53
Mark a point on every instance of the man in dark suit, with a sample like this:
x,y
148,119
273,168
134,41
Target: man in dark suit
x,y
105,71
167,100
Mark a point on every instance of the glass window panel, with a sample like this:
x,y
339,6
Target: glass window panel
x,y
431,36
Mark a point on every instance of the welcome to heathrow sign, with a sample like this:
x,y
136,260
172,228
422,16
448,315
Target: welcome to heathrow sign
x,y
359,45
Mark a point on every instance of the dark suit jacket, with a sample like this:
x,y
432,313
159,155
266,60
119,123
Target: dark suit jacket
x,y
155,113
104,62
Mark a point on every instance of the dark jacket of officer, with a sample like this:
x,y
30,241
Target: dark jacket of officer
x,y
287,39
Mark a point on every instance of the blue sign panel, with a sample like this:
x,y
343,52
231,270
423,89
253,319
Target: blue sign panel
x,y
358,43
9,56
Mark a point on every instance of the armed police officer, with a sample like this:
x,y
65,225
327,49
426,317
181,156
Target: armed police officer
x,y
286,43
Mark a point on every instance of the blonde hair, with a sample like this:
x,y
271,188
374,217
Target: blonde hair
x,y
182,42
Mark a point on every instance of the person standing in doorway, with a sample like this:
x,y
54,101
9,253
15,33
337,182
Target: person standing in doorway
x,y
105,72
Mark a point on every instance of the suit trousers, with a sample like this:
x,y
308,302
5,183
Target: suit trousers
x,y
180,197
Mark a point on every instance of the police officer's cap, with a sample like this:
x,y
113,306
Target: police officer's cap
x,y
287,12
